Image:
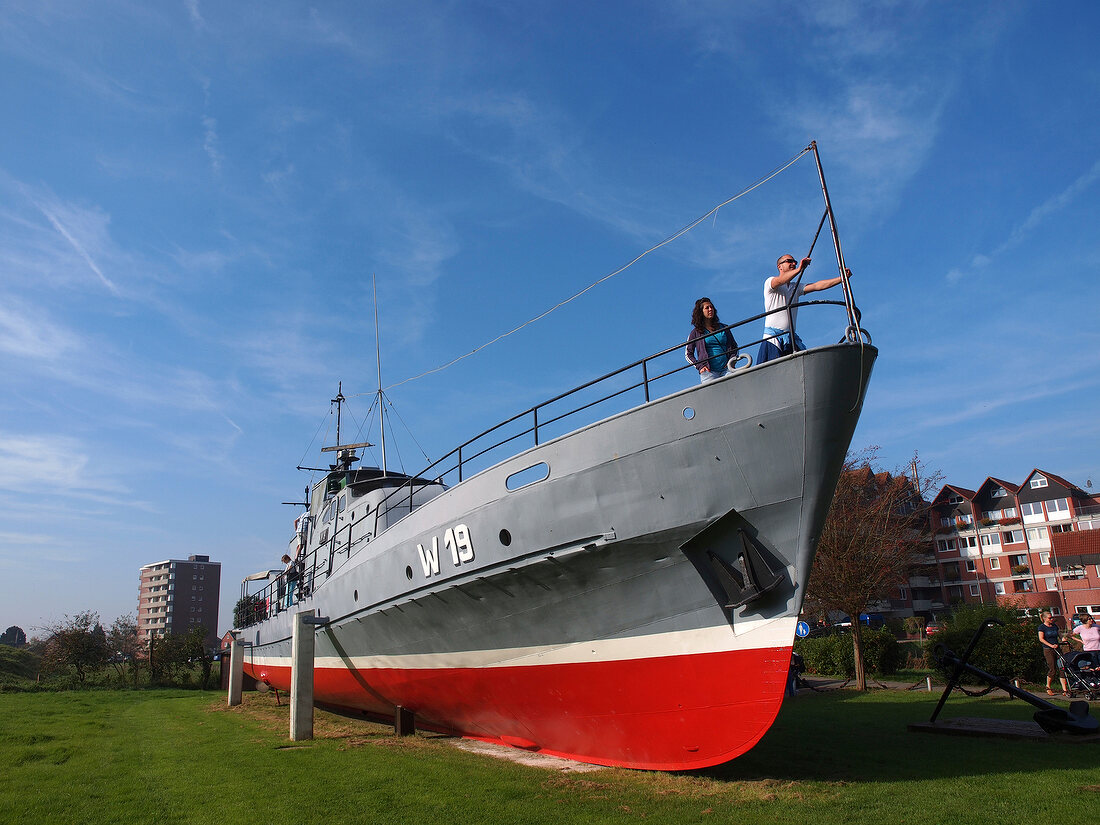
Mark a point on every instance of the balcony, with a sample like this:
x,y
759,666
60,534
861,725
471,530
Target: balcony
x,y
1020,570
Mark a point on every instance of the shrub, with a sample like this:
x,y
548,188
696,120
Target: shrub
x,y
881,651
1012,651
834,655
827,655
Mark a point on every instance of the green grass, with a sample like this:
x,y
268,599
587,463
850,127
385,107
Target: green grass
x,y
182,757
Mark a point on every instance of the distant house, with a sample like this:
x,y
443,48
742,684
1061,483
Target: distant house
x,y
176,595
1017,543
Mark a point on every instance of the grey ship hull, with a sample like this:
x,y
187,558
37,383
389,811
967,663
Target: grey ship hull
x,y
636,607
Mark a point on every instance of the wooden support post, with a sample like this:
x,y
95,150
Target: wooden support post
x,y
301,677
236,672
404,721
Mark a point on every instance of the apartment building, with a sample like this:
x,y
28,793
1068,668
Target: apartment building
x,y
1017,543
176,595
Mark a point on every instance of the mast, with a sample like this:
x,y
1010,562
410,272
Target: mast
x,y
338,401
849,301
378,362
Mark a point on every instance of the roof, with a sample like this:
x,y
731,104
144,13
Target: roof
x,y
1078,547
1069,485
962,491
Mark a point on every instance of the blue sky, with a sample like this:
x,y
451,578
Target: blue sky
x,y
194,197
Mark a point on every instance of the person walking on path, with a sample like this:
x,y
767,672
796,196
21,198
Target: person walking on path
x,y
1049,639
1089,634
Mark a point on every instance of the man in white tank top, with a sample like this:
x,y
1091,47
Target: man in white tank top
x,y
779,292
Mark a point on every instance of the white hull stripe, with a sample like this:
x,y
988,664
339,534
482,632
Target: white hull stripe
x,y
750,636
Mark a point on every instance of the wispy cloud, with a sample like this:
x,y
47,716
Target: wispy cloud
x,y
60,463
210,142
76,223
26,332
1046,209
194,13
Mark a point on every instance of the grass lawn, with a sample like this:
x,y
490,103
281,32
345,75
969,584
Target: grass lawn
x,y
182,757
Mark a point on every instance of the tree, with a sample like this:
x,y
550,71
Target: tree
x,y
195,645
13,637
78,642
167,657
874,537
122,639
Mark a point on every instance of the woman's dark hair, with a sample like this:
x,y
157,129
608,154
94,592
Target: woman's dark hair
x,y
697,319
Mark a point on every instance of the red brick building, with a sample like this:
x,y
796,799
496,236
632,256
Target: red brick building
x,y
1024,545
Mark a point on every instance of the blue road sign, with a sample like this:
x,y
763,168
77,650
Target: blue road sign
x,y
802,630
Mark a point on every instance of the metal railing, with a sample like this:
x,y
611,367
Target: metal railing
x,y
636,383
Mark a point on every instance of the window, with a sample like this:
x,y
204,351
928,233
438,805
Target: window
x,y
1034,508
968,541
1056,611
1012,536
973,590
1062,528
1010,512
1021,585
947,545
1037,482
1058,505
971,567
991,539
903,591
999,492
994,564
1017,559
966,518
955,499
1050,583
1044,558
946,521
1038,537
999,588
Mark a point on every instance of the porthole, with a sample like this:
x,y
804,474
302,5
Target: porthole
x,y
408,573
530,475
505,537
689,413
355,595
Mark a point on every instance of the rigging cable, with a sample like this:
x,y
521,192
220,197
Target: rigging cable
x,y
610,275
393,409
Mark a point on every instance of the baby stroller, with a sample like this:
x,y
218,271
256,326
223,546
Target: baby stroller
x,y
1081,669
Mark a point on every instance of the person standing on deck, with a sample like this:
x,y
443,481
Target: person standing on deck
x,y
709,351
779,293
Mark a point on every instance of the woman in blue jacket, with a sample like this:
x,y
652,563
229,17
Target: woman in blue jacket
x,y
709,347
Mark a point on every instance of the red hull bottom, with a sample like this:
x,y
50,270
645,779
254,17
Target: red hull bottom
x,y
666,713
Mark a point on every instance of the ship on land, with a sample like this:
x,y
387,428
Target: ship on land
x,y
613,576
